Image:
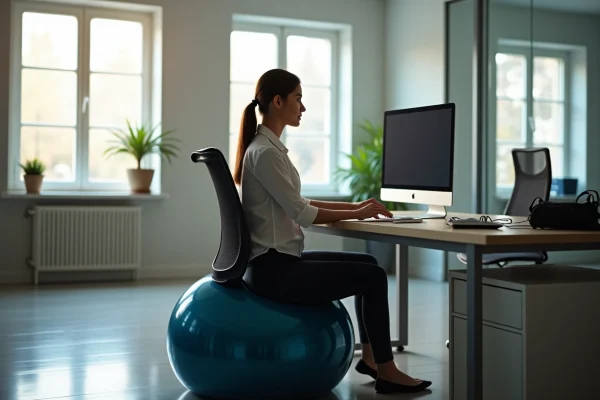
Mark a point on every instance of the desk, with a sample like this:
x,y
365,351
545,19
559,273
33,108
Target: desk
x,y
436,234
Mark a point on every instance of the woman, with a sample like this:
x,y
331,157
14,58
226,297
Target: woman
x,y
280,269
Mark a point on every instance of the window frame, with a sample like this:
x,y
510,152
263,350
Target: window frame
x,y
84,15
530,55
282,31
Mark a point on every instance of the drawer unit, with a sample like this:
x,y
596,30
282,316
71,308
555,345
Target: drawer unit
x,y
540,326
501,306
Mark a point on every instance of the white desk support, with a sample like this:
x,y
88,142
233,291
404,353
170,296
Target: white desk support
x,y
541,333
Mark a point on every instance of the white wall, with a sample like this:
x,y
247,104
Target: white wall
x,y
414,76
181,234
414,62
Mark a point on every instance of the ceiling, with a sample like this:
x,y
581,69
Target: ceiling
x,y
580,6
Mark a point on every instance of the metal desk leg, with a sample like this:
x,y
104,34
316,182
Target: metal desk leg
x,y
402,295
474,328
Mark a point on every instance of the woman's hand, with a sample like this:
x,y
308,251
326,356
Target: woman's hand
x,y
361,204
365,209
371,209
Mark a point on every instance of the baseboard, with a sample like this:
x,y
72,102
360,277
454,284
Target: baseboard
x,y
426,264
148,272
152,272
16,276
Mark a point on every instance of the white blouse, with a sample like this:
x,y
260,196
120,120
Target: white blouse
x,y
270,193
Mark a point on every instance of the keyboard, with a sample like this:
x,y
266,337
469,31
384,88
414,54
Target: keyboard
x,y
473,223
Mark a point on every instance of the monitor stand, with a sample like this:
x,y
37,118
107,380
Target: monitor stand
x,y
433,212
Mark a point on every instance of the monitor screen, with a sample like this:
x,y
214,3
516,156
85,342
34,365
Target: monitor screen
x,y
418,148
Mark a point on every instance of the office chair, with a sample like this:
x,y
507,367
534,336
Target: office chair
x,y
533,178
230,263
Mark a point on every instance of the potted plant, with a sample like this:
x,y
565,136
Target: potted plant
x,y
34,175
139,141
364,181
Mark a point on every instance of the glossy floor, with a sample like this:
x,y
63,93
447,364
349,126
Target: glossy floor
x,y
107,341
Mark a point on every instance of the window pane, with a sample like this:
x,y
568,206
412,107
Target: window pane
x,y
509,120
549,123
310,59
252,54
116,46
114,99
48,97
505,170
311,158
241,95
53,146
547,78
103,168
557,161
510,75
49,41
317,117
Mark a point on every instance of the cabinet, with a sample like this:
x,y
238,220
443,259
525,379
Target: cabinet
x,y
541,333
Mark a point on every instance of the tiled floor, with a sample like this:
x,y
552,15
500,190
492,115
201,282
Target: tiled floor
x,y
107,341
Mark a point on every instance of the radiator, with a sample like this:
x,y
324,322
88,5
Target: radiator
x,y
81,238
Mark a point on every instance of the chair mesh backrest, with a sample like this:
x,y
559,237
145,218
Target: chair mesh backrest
x,y
232,258
533,178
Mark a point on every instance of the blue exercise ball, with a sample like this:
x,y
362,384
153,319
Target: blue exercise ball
x,y
229,343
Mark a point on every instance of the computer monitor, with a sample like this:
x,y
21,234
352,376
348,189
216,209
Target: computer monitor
x,y
418,157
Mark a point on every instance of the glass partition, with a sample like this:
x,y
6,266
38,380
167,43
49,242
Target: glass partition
x,y
544,56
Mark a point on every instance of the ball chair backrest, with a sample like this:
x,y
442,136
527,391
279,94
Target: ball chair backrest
x,y
232,257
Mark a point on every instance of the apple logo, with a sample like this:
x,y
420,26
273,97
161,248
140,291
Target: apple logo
x,y
413,196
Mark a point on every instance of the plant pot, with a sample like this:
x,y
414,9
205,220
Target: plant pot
x,y
33,183
385,253
140,180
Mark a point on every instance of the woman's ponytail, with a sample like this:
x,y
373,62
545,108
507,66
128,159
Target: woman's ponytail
x,y
247,132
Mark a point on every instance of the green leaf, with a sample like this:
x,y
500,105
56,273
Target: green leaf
x,y
33,166
139,141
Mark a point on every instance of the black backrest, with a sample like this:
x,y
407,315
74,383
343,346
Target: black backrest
x,y
232,258
533,178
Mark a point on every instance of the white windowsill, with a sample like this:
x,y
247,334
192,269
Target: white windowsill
x,y
82,195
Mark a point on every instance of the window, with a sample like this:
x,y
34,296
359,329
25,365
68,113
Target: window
x,y
310,54
530,109
77,73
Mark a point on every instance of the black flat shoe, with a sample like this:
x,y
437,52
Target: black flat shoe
x,y
363,368
383,387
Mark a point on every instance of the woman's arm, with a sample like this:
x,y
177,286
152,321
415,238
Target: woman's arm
x,y
326,216
333,205
269,171
333,211
371,209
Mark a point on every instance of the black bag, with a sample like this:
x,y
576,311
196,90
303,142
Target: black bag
x,y
570,216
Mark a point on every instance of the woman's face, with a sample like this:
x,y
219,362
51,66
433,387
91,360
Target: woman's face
x,y
292,109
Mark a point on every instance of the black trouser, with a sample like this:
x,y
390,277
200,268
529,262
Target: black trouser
x,y
321,276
